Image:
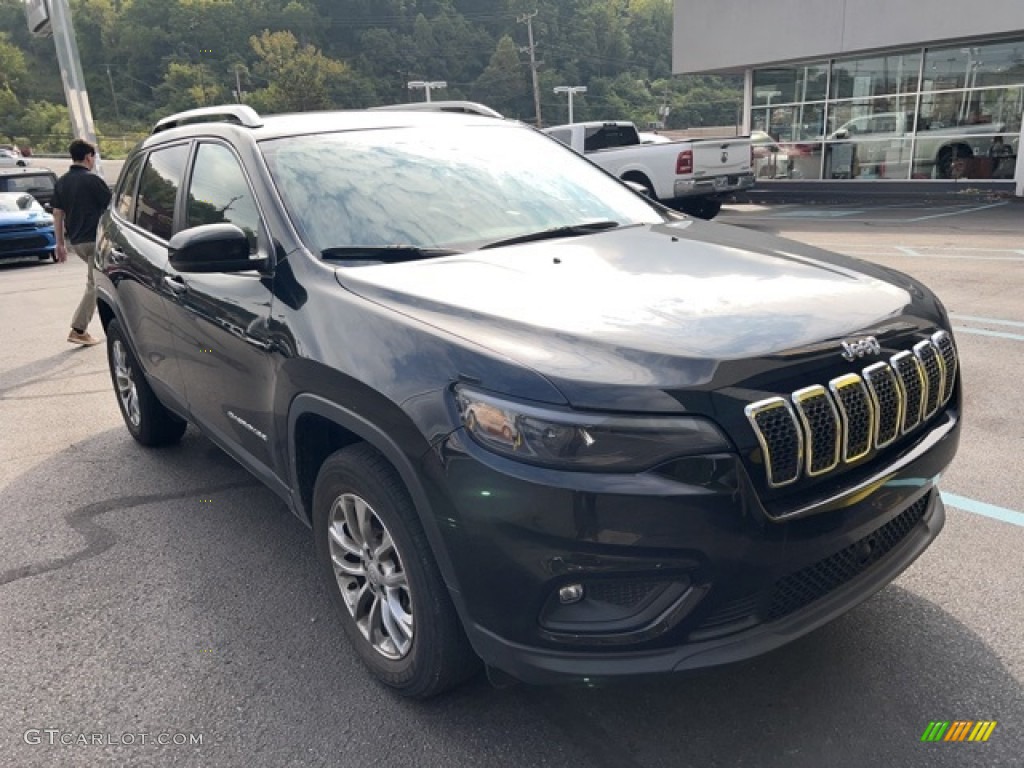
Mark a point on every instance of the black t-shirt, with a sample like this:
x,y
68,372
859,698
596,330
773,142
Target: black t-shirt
x,y
83,196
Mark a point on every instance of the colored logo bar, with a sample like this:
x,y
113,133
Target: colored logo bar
x,y
958,730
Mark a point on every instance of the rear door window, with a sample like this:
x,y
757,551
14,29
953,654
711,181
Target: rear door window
x,y
125,196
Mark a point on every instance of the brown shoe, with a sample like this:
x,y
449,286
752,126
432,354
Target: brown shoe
x,y
82,338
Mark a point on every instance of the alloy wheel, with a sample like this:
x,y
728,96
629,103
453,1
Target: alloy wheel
x,y
370,575
126,389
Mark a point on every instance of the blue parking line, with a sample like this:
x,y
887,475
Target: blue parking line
x,y
983,332
981,508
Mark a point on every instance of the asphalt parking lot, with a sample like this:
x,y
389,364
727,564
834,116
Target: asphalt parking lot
x,y
168,593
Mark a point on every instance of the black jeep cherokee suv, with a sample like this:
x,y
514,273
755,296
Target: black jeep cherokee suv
x,y
532,418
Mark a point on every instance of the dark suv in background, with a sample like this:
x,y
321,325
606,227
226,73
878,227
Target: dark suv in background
x,y
532,417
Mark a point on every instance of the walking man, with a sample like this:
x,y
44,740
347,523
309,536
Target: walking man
x,y
79,199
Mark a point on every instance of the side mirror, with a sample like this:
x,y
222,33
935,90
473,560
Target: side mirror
x,y
213,248
842,133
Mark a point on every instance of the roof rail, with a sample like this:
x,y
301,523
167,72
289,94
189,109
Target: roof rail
x,y
465,107
238,114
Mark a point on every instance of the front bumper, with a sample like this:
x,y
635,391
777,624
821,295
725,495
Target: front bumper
x,y
20,244
714,185
679,571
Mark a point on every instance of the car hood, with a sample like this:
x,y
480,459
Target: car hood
x,y
663,305
8,218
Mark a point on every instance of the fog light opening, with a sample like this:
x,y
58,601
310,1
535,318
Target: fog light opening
x,y
570,593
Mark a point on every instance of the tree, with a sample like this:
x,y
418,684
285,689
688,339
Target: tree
x,y
12,63
297,77
502,85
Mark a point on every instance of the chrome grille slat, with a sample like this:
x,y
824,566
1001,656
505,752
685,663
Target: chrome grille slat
x,y
857,411
781,440
912,388
934,373
815,429
944,343
885,394
821,426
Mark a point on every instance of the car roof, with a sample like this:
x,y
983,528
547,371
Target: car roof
x,y
27,172
262,128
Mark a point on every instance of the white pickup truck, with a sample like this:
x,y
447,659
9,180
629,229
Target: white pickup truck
x,y
690,175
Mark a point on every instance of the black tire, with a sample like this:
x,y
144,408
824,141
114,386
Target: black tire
x,y
947,158
431,655
701,207
147,419
709,209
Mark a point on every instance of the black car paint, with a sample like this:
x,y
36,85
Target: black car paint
x,y
261,361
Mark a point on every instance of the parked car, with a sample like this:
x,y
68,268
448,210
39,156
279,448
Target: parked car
x,y
38,182
691,175
12,158
26,229
533,418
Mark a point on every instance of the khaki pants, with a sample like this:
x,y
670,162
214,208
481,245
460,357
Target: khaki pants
x,y
87,306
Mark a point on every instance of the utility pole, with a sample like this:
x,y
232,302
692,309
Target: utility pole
x,y
238,86
527,18
571,90
113,95
79,111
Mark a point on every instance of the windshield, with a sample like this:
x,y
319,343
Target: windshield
x,y
456,188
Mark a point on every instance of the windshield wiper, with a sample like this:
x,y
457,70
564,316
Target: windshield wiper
x,y
384,254
573,230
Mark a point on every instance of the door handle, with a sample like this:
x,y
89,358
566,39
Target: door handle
x,y
175,283
117,256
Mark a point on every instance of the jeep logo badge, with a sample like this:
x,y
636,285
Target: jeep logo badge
x,y
855,348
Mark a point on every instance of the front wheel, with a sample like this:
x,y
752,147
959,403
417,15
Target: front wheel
x,y
394,606
145,416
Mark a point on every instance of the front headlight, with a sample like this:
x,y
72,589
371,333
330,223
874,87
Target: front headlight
x,y
590,442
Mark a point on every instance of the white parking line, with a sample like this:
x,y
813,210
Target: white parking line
x,y
990,320
957,213
983,332
907,251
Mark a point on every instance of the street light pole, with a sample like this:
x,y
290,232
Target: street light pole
x,y
570,90
426,85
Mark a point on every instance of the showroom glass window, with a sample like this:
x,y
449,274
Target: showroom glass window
x,y
938,113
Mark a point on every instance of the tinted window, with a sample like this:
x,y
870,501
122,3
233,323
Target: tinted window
x,y
158,189
219,192
125,196
610,136
30,184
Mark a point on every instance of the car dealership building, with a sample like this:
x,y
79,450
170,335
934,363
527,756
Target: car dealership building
x,y
928,91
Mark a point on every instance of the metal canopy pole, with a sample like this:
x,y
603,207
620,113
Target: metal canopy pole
x,y
71,74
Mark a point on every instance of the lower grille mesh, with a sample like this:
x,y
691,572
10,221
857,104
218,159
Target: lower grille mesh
x,y
815,581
